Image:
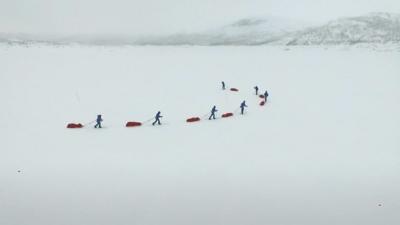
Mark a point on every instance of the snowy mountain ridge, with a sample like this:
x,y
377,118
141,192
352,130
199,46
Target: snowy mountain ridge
x,y
372,28
381,28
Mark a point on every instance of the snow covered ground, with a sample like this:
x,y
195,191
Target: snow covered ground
x,y
324,150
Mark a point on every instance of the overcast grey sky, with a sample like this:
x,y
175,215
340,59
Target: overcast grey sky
x,y
166,16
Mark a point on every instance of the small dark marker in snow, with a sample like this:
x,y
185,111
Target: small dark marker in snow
x,y
19,171
379,205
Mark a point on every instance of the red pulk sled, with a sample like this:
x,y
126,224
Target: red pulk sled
x,y
193,119
261,96
262,103
133,124
74,125
225,115
234,89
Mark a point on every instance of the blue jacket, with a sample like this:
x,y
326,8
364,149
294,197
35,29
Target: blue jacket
x,y
214,110
158,115
99,119
243,104
266,93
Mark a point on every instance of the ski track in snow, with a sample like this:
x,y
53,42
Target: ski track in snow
x,y
323,150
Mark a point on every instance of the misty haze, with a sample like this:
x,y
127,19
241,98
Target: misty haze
x,y
260,112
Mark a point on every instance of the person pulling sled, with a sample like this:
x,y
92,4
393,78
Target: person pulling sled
x,y
265,96
158,116
213,111
242,106
98,122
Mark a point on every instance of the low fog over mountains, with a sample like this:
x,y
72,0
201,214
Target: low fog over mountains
x,y
374,28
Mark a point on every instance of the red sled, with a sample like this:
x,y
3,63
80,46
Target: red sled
x,y
262,96
133,124
193,119
262,103
225,115
74,125
234,89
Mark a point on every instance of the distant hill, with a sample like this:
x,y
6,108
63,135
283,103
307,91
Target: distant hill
x,y
381,28
374,28
249,31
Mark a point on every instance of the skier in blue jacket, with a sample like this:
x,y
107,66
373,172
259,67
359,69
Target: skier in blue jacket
x,y
242,106
98,122
265,96
256,88
213,111
223,85
158,116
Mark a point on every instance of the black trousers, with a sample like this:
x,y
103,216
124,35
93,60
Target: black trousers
x,y
157,120
212,116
